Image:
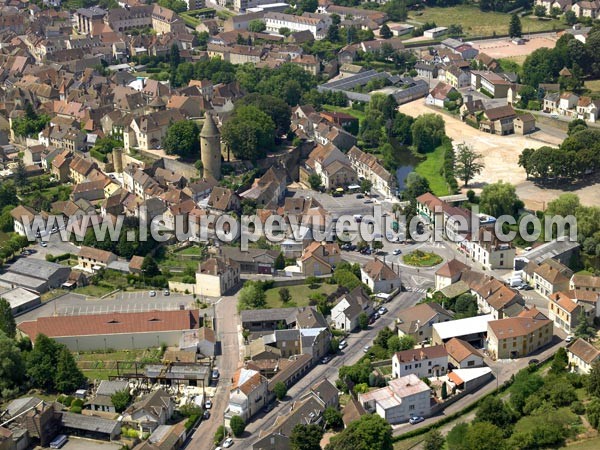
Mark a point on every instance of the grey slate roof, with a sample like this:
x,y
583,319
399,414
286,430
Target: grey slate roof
x,y
89,423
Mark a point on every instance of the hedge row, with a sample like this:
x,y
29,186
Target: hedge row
x,y
448,167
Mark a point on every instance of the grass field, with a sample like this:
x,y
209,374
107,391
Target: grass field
x,y
422,259
593,85
430,169
478,23
93,291
591,444
299,293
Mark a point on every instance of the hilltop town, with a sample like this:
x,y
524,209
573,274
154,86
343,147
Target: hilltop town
x,y
327,224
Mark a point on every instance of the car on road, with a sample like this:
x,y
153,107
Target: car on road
x,y
152,293
382,310
415,419
359,196
206,415
366,348
342,345
376,315
208,404
397,251
228,443
215,374
368,201
534,361
569,339
166,293
43,244
325,359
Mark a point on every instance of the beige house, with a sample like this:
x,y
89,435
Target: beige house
x,y
148,131
582,355
22,216
550,277
463,355
370,168
216,276
449,274
565,311
524,124
319,258
418,320
587,283
80,169
516,337
93,259
587,9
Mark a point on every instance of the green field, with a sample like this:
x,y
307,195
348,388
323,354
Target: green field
x,y
591,444
299,293
593,85
430,168
478,23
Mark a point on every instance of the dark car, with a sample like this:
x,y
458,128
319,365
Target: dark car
x,y
360,196
206,415
534,361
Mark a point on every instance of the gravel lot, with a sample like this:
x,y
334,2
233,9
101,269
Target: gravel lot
x,y
501,155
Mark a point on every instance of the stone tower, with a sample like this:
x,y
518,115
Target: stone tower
x,y
210,148
118,159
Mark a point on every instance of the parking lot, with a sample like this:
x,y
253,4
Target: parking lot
x,y
346,204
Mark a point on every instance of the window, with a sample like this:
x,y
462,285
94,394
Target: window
x,y
411,407
470,363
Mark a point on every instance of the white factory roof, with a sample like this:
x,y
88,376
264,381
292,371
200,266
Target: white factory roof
x,y
462,327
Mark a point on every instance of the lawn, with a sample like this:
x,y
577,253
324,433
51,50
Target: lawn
x,y
422,259
410,443
299,293
593,85
430,168
478,23
93,291
591,444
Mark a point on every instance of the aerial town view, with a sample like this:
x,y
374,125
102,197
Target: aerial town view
x,y
299,224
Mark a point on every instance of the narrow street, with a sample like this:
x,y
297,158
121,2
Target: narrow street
x,y
228,363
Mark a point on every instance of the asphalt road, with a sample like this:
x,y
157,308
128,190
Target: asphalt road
x,y
350,355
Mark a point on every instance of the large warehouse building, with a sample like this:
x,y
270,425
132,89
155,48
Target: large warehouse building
x,y
114,330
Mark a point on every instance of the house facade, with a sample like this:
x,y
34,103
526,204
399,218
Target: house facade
x,y
423,362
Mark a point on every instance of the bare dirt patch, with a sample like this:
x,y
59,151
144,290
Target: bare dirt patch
x,y
504,48
501,159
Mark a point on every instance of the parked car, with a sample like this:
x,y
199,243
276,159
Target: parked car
x,y
152,293
415,419
397,251
206,415
376,316
43,244
382,310
569,339
368,201
534,361
228,443
269,407
360,196
215,374
166,293
208,404
325,359
366,348
342,345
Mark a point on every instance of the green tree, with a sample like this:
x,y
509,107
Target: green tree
x,y
592,411
434,439
219,435
514,27
385,31
465,306
593,380
493,410
366,185
68,376
570,18
383,337
150,267
42,362
468,163
276,108
333,33
396,10
8,325
284,295
444,391
280,390
368,433
257,26
306,437
121,400
251,296
583,329
484,436
250,133
280,262
12,367
427,132
500,198
363,321
399,344
539,10
576,125
237,425
315,181
174,5
416,185
333,418
30,123
183,139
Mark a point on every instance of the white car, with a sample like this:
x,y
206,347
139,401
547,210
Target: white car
x,y
207,404
397,251
152,293
569,339
366,348
342,345
228,443
382,310
43,244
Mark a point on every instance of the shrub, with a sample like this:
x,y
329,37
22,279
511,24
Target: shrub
x,y
75,409
237,425
219,435
280,390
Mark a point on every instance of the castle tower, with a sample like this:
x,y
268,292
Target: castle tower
x,y
210,148
118,159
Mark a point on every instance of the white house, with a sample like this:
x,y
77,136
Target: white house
x,y
349,307
582,355
463,355
380,277
402,398
248,395
23,219
216,276
317,24
422,362
567,101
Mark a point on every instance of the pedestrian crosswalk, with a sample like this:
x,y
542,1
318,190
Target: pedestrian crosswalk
x,y
415,289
